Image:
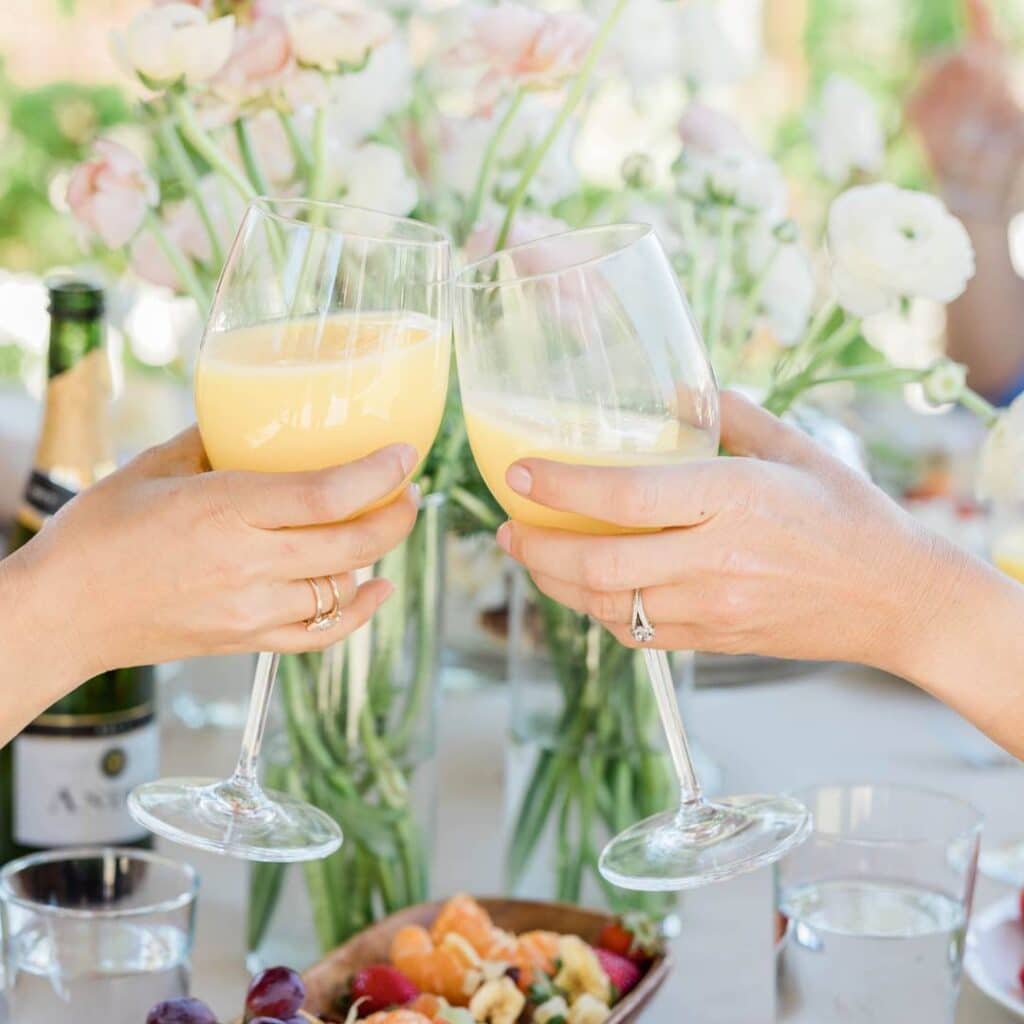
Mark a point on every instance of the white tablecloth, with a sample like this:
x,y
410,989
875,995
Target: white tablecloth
x,y
841,724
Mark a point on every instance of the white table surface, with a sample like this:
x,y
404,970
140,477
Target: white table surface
x,y
840,724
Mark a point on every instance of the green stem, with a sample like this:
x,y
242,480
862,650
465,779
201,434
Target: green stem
x,y
720,281
984,410
487,166
186,172
753,301
207,148
318,174
572,99
249,161
180,262
477,508
302,160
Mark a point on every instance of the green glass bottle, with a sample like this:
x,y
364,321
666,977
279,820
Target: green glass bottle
x,y
64,781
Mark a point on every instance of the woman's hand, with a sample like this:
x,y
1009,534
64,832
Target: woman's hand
x,y
166,560
781,550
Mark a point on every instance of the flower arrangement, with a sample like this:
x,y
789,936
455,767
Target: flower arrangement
x,y
471,119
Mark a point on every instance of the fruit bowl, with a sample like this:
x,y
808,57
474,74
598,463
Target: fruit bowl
x,y
326,981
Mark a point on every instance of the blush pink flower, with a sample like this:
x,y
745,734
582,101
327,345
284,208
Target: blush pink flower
x,y
710,132
261,54
112,193
520,46
527,227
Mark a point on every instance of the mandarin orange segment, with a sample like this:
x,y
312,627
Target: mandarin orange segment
x,y
400,1016
444,970
464,916
536,953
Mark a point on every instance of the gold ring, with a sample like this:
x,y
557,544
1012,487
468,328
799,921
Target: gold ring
x,y
335,612
321,617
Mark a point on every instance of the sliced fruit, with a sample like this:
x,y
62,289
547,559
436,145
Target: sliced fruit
x,y
634,935
464,916
401,1016
580,972
535,955
380,987
451,970
622,972
497,1002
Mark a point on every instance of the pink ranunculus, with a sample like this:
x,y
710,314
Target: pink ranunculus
x,y
112,193
527,227
261,54
710,132
530,48
184,228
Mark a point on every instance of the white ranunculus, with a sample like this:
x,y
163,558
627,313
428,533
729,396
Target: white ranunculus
x,y
333,35
888,243
740,178
376,179
711,53
1001,466
648,42
847,131
787,294
910,336
175,41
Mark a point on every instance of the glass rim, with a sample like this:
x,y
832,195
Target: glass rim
x,y
189,875
433,237
637,229
938,836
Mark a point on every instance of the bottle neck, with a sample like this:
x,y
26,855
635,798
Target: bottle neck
x,y
75,444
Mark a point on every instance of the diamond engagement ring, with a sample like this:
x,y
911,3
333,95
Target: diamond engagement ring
x,y
640,628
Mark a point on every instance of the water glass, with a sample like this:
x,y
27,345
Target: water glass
x,y
877,902
94,935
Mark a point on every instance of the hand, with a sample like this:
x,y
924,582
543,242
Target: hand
x,y
781,550
165,559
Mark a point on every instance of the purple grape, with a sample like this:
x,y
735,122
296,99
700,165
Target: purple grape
x,y
267,1020
181,1011
277,992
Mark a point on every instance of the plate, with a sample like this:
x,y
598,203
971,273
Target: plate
x,y
326,980
995,953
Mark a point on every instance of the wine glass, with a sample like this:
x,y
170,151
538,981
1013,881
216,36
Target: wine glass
x,y
329,338
580,347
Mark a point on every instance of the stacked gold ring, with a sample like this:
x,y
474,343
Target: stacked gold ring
x,y
324,617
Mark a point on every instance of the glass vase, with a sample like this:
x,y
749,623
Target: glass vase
x,y
585,758
358,740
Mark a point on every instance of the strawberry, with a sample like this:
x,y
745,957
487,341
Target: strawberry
x,y
1020,977
381,986
634,936
622,972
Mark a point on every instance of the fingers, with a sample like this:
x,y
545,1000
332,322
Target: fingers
x,y
295,637
270,501
747,429
182,455
339,547
603,563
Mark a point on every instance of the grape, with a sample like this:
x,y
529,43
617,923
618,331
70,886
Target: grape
x,y
181,1011
265,1020
277,992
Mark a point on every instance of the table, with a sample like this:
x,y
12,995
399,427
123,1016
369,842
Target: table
x,y
839,724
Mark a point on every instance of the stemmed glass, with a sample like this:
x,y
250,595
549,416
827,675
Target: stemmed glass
x,y
329,338
580,348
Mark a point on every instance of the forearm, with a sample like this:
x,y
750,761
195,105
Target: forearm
x,y
37,661
965,645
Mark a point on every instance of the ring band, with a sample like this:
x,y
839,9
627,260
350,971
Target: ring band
x,y
322,616
335,612
641,629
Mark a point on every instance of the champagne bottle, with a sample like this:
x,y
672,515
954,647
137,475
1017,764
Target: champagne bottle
x,y
64,781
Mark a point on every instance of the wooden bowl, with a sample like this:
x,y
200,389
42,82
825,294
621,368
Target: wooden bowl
x,y
326,980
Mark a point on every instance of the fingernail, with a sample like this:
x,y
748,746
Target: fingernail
x,y
519,478
504,537
408,456
386,590
416,494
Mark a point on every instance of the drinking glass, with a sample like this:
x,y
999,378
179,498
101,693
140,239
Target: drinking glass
x,y
877,901
329,338
94,935
580,347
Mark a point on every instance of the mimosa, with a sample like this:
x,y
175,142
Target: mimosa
x,y
503,429
305,394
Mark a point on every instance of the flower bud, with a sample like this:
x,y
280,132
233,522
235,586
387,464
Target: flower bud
x,y
638,171
945,382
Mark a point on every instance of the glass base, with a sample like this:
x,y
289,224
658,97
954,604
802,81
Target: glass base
x,y
229,818
1004,863
704,842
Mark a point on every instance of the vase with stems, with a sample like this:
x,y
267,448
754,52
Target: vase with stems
x,y
358,737
585,757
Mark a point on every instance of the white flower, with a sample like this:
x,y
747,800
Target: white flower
x,y
705,130
376,179
333,35
709,51
910,336
788,289
945,382
846,130
648,42
165,44
888,243
744,179
360,101
1001,465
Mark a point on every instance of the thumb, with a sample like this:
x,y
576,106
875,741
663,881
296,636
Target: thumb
x,y
749,430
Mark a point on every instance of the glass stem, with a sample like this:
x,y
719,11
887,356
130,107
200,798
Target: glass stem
x,y
660,674
256,721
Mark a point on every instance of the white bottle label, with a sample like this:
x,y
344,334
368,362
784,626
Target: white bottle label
x,y
72,790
